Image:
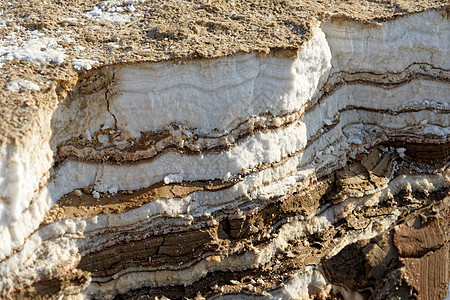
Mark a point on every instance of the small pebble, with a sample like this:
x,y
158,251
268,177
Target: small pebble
x,y
78,193
95,194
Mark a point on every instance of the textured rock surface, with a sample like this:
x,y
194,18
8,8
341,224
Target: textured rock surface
x,y
313,164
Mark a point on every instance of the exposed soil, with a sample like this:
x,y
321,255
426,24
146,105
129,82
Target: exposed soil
x,y
377,267
356,260
82,203
411,261
371,171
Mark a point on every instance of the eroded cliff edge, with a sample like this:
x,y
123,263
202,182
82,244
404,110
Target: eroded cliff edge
x,y
316,168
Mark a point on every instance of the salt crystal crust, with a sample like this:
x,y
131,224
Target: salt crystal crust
x,y
269,125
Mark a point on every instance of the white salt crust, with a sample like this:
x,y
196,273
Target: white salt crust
x,y
114,11
262,148
216,95
34,47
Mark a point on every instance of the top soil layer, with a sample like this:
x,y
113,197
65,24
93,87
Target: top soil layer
x,y
91,34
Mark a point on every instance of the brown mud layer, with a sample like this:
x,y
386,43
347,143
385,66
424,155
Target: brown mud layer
x,y
370,172
375,268
396,261
411,261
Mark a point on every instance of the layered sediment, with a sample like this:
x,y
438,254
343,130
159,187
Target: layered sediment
x,y
311,167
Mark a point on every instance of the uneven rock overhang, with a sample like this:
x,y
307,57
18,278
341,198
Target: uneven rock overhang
x,y
253,174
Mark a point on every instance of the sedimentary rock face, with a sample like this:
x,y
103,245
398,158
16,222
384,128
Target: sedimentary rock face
x,y
242,150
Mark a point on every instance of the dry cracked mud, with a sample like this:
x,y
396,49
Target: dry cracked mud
x,y
224,149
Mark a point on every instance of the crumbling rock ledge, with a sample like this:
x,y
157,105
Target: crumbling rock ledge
x,y
317,170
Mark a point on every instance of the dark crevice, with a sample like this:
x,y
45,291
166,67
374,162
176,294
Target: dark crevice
x,y
107,93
